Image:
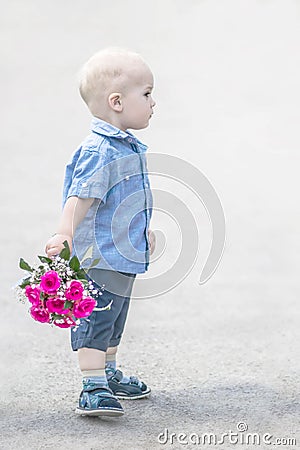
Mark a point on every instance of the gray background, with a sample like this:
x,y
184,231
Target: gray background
x,y
227,90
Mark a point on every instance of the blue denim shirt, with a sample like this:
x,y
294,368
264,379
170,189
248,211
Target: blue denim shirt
x,y
110,166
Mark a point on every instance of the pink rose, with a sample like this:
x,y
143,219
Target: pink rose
x,y
33,294
75,290
65,322
84,308
56,305
40,314
50,282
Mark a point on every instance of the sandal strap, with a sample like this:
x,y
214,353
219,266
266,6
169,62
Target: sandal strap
x,y
96,389
101,390
117,376
133,380
136,381
98,397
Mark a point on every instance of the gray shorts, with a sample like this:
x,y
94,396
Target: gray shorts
x,y
103,329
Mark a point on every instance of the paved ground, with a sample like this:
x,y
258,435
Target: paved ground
x,y
227,76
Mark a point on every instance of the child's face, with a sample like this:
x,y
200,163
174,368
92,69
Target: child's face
x,y
138,102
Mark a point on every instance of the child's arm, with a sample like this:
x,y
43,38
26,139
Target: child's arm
x,y
74,211
152,240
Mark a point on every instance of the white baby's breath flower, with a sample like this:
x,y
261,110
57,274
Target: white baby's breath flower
x,y
19,294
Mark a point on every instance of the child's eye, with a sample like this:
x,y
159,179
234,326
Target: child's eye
x,y
147,94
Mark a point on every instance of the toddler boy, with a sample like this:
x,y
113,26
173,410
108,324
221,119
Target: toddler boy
x,y
107,206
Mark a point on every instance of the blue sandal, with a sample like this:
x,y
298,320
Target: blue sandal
x,y
132,390
98,401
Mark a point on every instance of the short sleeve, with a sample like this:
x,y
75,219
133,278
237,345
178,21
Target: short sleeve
x,y
90,177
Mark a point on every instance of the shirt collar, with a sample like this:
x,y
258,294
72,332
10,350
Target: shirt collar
x,y
101,127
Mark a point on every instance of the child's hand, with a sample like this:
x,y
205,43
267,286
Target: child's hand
x,y
55,244
152,241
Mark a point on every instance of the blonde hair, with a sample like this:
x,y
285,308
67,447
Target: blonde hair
x,y
106,69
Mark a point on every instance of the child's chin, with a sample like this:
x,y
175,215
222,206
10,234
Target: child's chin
x,y
140,127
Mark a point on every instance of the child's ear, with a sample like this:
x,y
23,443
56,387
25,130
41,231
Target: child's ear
x,y
115,101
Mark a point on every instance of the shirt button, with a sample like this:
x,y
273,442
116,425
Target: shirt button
x,y
130,140
127,177
84,184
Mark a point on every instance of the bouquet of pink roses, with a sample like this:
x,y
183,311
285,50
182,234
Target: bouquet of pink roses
x,y
58,290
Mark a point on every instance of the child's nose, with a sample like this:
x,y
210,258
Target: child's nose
x,y
153,103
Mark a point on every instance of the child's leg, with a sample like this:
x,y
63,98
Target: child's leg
x,y
92,365
111,363
91,339
122,386
96,398
118,329
98,337
91,359
111,356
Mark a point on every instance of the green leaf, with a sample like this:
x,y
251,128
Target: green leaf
x,y
74,263
94,263
25,282
56,316
68,304
81,274
44,259
88,254
65,253
24,265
